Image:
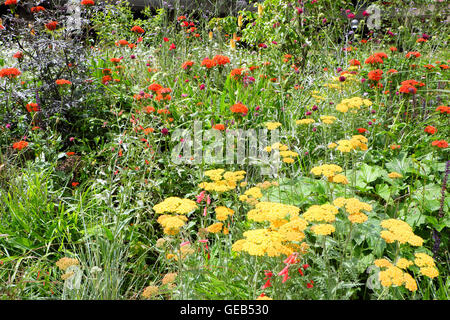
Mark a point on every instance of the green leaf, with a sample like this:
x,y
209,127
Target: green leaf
x,y
383,191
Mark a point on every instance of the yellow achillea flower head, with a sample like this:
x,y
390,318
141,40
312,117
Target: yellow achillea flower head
x,y
400,231
321,213
352,104
327,170
403,263
323,229
328,119
272,211
352,205
215,227
394,175
254,192
339,178
175,205
423,260
65,263
169,278
430,272
304,121
150,291
382,263
222,213
172,224
332,145
259,242
288,160
272,125
214,175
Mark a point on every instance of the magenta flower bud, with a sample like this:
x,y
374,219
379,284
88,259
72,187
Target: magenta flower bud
x,y
365,13
141,93
324,20
257,108
369,123
314,129
372,111
363,80
202,86
350,16
342,78
339,69
165,131
133,56
308,113
314,108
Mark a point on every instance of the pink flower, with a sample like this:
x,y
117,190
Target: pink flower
x,y
201,196
184,243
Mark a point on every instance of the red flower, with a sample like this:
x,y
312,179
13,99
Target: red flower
x,y
236,73
406,88
443,109
32,107
172,47
208,63
239,108
393,49
51,25
430,130
413,54
395,146
354,62
115,60
9,73
375,75
61,82
166,39
220,127
10,2
122,43
440,143
137,29
310,284
70,153
187,65
37,9
20,145
74,184
221,60
87,2
362,130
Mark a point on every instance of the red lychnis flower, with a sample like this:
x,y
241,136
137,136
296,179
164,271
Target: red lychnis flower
x,y
375,75
440,143
137,29
20,145
362,130
87,2
9,73
239,108
430,130
37,9
51,25
10,2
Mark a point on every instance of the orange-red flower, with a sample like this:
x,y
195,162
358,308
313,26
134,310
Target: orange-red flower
x,y
10,2
37,9
115,60
430,129
187,65
354,62
362,130
122,43
32,107
9,73
406,88
87,2
395,146
208,63
137,29
61,82
375,75
440,143
413,54
443,109
20,145
70,153
219,127
239,108
236,73
221,60
393,49
18,55
155,87
52,25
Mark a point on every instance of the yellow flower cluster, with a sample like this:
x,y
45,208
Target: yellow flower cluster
x,y
272,212
305,121
317,97
426,265
215,227
327,170
285,153
395,276
150,291
175,205
352,104
260,242
328,119
339,178
353,206
321,213
266,184
356,142
400,231
169,278
65,263
172,224
222,183
251,195
323,229
394,175
272,125
222,213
